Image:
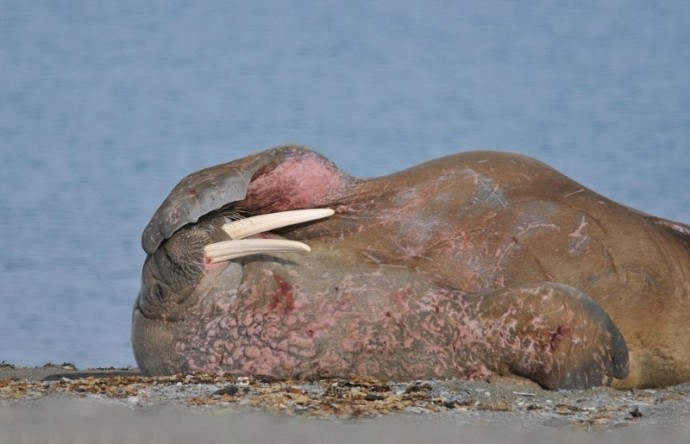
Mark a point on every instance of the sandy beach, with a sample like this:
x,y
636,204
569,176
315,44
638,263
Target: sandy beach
x,y
64,404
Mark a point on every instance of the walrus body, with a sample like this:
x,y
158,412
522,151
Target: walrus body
x,y
467,266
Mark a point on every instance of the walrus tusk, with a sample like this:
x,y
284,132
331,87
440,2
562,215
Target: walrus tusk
x,y
242,228
233,249
239,229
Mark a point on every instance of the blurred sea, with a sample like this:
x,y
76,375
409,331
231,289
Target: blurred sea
x,y
105,105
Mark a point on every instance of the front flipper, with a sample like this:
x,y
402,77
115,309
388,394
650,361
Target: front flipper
x,y
554,335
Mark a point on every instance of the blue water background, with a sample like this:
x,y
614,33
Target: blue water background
x,y
105,105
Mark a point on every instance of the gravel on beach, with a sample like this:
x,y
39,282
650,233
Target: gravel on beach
x,y
116,404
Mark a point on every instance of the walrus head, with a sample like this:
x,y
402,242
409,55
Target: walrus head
x,y
185,240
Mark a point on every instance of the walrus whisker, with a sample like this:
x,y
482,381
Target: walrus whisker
x,y
242,228
233,249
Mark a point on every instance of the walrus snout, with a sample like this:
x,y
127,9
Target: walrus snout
x,y
173,271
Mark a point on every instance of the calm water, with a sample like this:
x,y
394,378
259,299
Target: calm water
x,y
105,105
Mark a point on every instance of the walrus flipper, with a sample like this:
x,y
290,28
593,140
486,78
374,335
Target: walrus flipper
x,y
553,334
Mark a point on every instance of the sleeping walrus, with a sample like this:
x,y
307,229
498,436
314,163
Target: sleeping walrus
x,y
469,266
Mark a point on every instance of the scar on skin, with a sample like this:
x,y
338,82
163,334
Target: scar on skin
x,y
574,192
578,241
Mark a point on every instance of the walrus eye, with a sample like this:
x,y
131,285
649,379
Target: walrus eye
x,y
239,229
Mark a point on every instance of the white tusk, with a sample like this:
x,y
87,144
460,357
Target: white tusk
x,y
233,249
242,228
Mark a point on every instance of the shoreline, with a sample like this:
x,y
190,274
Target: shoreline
x,y
38,402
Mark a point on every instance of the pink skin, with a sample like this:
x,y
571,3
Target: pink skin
x,y
390,324
416,276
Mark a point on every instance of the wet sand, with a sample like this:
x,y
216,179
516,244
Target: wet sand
x,y
63,404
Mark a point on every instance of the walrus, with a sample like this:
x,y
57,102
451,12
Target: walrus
x,y
474,265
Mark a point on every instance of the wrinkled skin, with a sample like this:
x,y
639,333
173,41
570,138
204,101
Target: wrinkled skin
x,y
468,266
